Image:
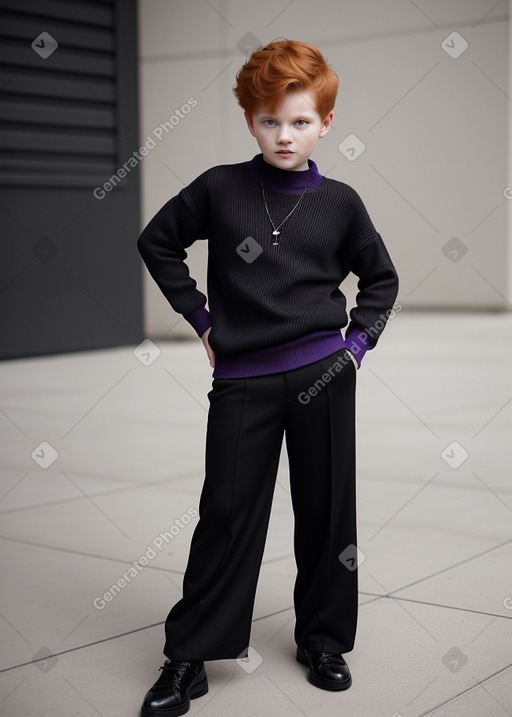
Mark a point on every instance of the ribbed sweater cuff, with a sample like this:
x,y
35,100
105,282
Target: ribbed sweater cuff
x,y
357,343
200,320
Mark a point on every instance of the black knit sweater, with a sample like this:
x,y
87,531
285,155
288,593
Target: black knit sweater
x,y
261,295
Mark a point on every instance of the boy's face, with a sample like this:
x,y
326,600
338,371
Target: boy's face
x,y
288,136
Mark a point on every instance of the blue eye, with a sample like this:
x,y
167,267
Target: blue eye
x,y
269,122
302,123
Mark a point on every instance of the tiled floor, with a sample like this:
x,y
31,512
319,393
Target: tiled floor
x,y
435,622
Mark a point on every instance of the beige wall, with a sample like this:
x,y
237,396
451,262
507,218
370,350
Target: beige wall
x,y
509,168
435,127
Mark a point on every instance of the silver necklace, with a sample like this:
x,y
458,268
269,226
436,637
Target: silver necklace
x,y
276,231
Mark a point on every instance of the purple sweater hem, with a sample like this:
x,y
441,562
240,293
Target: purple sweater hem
x,y
284,357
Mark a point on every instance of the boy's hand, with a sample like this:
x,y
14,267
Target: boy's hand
x,y
209,350
354,361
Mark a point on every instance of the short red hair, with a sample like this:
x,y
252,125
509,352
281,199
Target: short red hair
x,y
281,66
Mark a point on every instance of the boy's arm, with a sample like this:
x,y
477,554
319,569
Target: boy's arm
x,y
377,292
162,246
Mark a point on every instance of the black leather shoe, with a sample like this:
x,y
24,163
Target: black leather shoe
x,y
326,670
180,682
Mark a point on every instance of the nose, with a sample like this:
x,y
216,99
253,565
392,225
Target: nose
x,y
284,136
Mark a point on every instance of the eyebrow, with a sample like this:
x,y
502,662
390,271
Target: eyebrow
x,y
303,115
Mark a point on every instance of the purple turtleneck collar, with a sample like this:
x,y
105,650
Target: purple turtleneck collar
x,y
286,181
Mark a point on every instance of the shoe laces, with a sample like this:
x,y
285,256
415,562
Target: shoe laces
x,y
329,657
173,671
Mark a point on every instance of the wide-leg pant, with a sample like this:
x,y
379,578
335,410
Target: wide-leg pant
x,y
314,408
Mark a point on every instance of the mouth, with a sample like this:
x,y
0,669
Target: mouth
x,y
285,152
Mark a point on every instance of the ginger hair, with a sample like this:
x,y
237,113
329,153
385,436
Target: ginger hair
x,y
282,66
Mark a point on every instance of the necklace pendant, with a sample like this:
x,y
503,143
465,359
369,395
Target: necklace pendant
x,y
276,232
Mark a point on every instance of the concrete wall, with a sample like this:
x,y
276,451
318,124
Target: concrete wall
x,y
432,113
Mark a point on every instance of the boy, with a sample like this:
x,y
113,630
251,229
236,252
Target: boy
x,y
281,239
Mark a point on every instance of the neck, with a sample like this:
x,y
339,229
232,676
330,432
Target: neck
x,y
286,181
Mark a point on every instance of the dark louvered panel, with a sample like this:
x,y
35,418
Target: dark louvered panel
x,y
58,109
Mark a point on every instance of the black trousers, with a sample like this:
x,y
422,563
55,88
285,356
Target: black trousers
x,y
314,408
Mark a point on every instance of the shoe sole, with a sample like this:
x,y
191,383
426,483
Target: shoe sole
x,y
197,691
323,684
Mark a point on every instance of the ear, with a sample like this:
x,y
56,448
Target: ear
x,y
250,125
326,124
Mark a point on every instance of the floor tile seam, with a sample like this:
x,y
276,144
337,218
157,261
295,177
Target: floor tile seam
x,y
58,548
430,603
464,692
112,491
83,554
115,637
83,647
454,565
